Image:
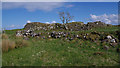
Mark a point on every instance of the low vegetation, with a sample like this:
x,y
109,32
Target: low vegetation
x,y
7,45
10,44
58,52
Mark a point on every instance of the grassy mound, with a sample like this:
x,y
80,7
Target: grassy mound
x,y
58,52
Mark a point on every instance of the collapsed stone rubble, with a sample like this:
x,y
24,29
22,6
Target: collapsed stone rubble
x,y
62,31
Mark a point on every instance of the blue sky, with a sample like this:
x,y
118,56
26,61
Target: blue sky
x,y
60,0
16,14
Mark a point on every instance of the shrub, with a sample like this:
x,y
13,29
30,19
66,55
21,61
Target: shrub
x,y
21,42
12,45
7,45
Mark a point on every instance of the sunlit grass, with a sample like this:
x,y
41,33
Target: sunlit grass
x,y
58,52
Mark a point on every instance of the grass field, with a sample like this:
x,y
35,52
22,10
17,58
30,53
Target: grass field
x,y
57,52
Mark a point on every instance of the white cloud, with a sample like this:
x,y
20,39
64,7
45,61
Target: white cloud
x,y
93,0
13,26
28,21
53,22
32,0
73,21
108,19
60,0
47,22
69,6
32,6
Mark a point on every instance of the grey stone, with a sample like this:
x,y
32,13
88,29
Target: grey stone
x,y
109,37
112,41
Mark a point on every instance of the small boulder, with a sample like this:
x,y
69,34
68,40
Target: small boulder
x,y
109,37
112,41
18,34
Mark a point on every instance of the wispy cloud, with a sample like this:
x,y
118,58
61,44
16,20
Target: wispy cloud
x,y
33,6
60,0
33,0
51,22
108,19
47,22
73,21
69,6
93,0
13,26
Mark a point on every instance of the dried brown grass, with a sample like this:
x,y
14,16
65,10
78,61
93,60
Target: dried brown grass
x,y
4,36
7,45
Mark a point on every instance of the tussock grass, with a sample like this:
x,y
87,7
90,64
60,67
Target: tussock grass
x,y
7,45
4,36
10,44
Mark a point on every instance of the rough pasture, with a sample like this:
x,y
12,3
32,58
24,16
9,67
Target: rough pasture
x,y
61,46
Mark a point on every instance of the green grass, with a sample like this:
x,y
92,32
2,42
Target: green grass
x,y
57,52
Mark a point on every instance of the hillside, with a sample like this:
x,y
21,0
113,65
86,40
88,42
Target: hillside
x,y
72,44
